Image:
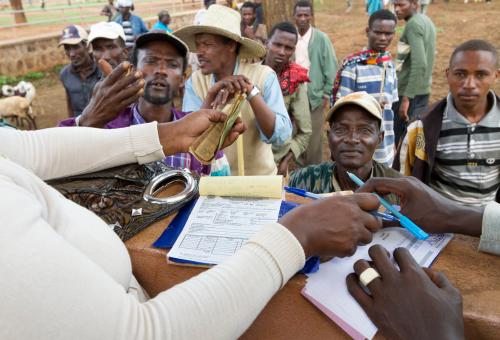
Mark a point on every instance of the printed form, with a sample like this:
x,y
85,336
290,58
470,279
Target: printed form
x,y
218,226
327,289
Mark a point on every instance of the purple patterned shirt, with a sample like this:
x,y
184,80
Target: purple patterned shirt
x,y
132,116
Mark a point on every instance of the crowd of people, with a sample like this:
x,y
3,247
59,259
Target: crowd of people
x,y
440,163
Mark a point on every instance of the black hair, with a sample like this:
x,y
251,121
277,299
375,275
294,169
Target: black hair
x,y
284,26
134,56
207,2
248,4
163,14
303,3
476,45
226,40
382,14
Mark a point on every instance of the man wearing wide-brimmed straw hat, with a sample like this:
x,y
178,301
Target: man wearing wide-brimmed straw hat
x,y
219,46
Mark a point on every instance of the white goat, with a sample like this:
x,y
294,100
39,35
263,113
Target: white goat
x,y
18,105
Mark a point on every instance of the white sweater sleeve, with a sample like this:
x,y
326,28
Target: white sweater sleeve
x,y
52,290
490,235
43,153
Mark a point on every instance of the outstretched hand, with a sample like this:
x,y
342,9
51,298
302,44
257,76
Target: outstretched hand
x,y
426,207
178,136
409,303
112,95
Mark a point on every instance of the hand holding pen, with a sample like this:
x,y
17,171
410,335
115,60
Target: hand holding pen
x,y
403,220
303,193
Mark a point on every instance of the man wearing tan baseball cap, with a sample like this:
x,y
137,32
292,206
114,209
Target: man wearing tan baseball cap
x,y
354,134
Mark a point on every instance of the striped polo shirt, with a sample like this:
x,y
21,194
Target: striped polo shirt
x,y
369,78
467,159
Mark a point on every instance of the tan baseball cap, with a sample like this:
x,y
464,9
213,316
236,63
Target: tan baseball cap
x,y
72,35
362,99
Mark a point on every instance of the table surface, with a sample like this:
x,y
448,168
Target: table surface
x,y
290,316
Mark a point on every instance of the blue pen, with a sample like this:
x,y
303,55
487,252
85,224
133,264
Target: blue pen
x,y
403,220
303,193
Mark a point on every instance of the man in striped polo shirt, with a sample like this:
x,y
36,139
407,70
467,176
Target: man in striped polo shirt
x,y
455,148
372,70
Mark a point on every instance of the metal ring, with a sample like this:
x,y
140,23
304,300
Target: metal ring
x,y
167,177
368,275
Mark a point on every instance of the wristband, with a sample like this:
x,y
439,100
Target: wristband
x,y
255,91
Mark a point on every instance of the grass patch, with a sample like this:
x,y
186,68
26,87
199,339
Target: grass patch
x,y
30,76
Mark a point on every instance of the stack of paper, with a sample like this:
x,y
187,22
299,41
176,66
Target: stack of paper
x,y
229,211
327,289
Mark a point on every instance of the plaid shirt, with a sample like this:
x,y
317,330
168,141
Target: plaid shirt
x,y
182,160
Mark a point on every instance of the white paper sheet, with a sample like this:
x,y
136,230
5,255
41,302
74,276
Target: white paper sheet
x,y
327,287
218,226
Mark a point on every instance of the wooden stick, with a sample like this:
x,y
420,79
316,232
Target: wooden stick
x,y
241,161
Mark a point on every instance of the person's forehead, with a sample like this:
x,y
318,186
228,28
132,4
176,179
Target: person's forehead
x,y
73,46
162,49
303,10
383,24
104,41
402,2
208,37
474,59
284,37
247,9
346,112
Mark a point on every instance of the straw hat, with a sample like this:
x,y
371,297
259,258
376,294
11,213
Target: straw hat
x,y
222,20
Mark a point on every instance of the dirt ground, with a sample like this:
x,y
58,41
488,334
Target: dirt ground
x,y
455,22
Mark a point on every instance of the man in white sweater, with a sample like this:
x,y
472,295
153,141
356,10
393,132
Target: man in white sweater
x,y
66,275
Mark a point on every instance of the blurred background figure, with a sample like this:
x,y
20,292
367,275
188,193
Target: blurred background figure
x,y
250,27
164,20
133,26
424,4
109,10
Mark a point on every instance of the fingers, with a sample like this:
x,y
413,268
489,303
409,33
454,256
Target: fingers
x,y
214,116
361,266
358,293
365,235
117,73
385,186
439,279
105,67
366,202
405,260
372,223
238,128
225,98
382,260
243,85
235,84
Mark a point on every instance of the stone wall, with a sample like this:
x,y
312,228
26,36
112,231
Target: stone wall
x,y
41,53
